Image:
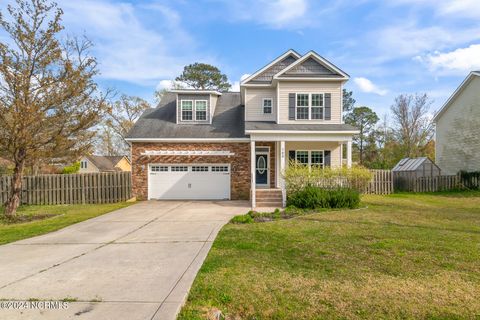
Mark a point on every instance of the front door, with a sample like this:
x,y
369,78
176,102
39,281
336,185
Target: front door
x,y
261,171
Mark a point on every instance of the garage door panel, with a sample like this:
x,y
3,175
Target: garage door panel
x,y
199,182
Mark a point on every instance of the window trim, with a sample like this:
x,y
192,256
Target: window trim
x,y
309,107
206,108
271,105
309,153
181,110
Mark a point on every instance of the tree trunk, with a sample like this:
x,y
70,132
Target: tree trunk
x,y
13,201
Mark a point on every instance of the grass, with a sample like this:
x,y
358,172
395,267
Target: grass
x,y
405,256
53,218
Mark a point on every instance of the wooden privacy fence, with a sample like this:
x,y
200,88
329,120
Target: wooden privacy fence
x,y
382,182
436,183
83,188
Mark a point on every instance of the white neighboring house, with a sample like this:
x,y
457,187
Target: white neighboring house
x,y
457,134
89,164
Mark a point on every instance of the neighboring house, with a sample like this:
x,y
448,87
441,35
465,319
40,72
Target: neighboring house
x,y
204,144
104,164
457,133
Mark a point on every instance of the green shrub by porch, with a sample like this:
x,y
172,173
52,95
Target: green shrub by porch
x,y
313,198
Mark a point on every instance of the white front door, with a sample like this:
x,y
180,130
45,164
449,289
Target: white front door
x,y
189,182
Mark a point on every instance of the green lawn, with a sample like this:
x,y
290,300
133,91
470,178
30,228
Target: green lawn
x,y
403,257
63,215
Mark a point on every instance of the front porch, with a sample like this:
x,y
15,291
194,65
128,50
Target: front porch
x,y
270,157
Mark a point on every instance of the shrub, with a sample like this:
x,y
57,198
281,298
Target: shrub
x,y
74,168
297,177
314,198
470,180
244,218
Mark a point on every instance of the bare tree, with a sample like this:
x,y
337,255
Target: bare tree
x,y
121,116
48,99
413,128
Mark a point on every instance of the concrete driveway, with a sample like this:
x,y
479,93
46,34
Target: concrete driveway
x,y
135,263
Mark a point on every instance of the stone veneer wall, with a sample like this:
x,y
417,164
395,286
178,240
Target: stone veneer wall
x,y
239,163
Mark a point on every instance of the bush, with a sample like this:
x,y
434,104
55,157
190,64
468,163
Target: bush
x,y
244,218
74,168
297,177
314,198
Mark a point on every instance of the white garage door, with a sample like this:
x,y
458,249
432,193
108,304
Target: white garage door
x,y
195,182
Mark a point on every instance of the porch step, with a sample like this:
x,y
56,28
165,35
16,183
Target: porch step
x,y
269,204
268,198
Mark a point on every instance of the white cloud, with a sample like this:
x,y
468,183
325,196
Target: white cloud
x,y
368,86
458,8
272,13
459,61
127,47
235,86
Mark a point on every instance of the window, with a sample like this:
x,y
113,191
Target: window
x,y
313,158
201,110
302,106
159,168
316,158
317,106
219,168
187,110
200,169
179,169
267,106
301,157
309,106
83,164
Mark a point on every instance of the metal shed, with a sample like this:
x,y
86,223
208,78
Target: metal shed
x,y
408,169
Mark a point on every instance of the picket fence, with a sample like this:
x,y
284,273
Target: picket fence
x,y
382,182
86,188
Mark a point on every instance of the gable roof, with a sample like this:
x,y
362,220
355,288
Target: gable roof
x,y
456,93
273,67
297,68
411,164
160,123
106,163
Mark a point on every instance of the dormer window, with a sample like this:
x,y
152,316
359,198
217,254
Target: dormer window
x,y
187,110
267,106
201,110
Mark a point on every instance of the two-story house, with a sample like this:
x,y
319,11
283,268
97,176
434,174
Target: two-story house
x,y
203,144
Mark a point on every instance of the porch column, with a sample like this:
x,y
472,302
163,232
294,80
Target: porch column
x,y
282,171
252,171
349,154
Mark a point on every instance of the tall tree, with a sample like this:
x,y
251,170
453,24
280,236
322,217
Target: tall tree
x,y
413,128
204,76
365,120
48,99
123,113
348,100
158,95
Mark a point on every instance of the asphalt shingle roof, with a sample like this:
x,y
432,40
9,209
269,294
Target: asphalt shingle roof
x,y
227,122
105,163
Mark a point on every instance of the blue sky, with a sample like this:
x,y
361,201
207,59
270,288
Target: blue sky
x,y
387,46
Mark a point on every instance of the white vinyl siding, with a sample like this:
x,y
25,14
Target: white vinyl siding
x,y
458,132
254,104
309,87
